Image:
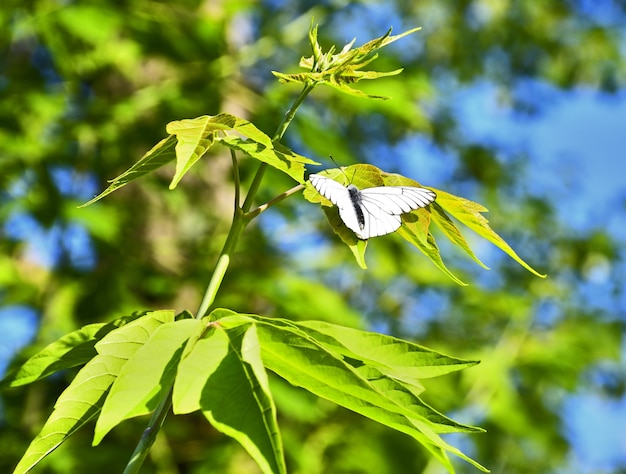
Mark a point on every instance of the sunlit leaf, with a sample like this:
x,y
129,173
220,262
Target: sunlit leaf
x,y
200,360
235,396
125,341
193,138
303,361
161,154
469,213
84,397
415,225
403,394
146,376
430,249
274,154
340,82
341,69
447,226
73,349
78,404
190,139
395,357
356,246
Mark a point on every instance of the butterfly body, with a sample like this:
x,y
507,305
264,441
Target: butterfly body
x,y
372,212
355,198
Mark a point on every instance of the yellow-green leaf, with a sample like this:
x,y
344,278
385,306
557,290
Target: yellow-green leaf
x,y
146,376
161,154
339,70
469,213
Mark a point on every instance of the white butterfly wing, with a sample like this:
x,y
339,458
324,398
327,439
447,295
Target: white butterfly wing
x,y
330,189
340,197
398,200
381,207
377,222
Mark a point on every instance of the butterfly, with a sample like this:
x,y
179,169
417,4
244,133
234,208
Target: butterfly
x,y
372,212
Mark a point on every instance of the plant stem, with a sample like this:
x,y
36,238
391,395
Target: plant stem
x,y
235,177
223,261
273,201
289,115
240,219
280,131
149,435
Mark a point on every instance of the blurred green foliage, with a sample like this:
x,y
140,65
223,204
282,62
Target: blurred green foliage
x,y
88,88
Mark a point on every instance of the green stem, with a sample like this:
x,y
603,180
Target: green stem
x,y
289,115
240,219
237,226
149,435
274,201
280,131
235,177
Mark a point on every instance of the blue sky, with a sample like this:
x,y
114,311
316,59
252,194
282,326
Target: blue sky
x,y
577,145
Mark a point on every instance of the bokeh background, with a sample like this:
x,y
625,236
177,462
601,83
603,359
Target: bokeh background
x,y
517,104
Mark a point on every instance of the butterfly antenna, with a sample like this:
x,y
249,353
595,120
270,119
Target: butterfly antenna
x,y
353,175
341,169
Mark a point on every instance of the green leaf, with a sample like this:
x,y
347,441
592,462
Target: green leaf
x,y
469,213
274,154
232,390
267,444
190,139
194,138
125,341
73,349
202,356
339,81
300,359
79,403
415,227
430,249
84,397
450,230
161,154
439,448
146,375
356,246
404,395
402,360
341,69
